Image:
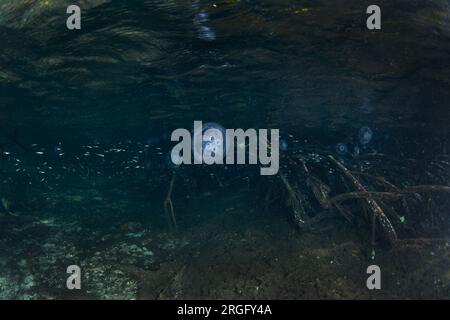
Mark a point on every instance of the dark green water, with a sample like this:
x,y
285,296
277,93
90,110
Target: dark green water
x,y
85,123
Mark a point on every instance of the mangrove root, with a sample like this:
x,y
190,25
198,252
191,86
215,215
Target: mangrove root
x,y
295,201
384,221
393,195
362,195
168,208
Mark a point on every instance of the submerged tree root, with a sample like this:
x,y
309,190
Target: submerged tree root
x,y
390,195
313,188
6,204
294,201
362,195
384,221
428,188
168,208
380,180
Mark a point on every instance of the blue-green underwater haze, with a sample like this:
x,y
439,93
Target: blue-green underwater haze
x,y
86,177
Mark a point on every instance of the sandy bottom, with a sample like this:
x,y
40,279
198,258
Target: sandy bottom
x,y
235,254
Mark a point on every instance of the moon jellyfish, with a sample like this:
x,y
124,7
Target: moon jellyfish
x,y
356,151
283,145
213,141
365,135
341,148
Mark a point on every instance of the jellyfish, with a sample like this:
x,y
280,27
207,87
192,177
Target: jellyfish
x,y
356,151
341,148
365,135
213,140
283,145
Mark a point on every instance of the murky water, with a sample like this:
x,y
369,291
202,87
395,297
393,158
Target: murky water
x,y
87,179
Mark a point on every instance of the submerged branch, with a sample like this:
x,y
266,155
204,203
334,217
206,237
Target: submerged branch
x,y
378,179
362,195
428,188
168,208
294,201
372,204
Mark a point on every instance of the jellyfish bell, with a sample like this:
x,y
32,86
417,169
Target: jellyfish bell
x,y
283,145
213,141
365,135
341,148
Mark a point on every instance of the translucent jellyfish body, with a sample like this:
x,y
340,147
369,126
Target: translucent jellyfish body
x,y
365,135
341,148
283,145
213,141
